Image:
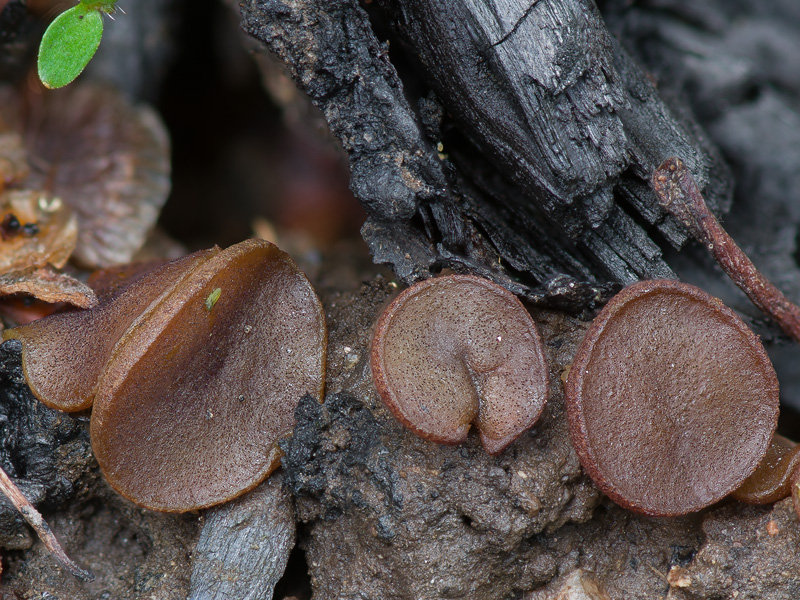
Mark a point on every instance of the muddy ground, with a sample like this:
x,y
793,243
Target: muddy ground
x,y
380,513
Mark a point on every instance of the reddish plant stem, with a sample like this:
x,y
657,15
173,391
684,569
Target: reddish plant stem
x,y
34,518
679,195
796,491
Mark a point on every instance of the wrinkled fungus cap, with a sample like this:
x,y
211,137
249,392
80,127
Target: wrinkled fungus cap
x,y
459,350
195,370
190,407
672,400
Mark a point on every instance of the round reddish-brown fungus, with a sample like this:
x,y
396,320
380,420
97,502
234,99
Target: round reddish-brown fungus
x,y
672,400
459,350
192,403
194,369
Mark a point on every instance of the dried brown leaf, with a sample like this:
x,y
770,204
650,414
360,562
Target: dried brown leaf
x,y
46,231
49,286
108,160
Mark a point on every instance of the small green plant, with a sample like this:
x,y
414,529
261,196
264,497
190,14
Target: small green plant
x,y
71,41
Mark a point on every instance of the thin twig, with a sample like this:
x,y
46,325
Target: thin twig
x,y
679,195
34,518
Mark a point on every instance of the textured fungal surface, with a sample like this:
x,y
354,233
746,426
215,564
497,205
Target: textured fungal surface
x,y
63,356
191,405
672,400
459,350
772,480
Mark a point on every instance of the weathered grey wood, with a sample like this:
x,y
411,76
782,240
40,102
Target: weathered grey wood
x,y
244,545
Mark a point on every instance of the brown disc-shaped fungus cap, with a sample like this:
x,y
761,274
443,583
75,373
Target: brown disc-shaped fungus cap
x,y
63,355
772,480
672,400
192,403
459,350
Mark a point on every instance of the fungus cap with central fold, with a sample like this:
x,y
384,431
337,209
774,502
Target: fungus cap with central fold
x,y
191,405
194,371
459,350
672,401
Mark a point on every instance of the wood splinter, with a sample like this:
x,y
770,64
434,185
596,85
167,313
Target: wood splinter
x,y
678,193
40,526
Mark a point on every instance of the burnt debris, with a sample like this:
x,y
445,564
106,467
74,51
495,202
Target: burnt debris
x,y
45,451
548,128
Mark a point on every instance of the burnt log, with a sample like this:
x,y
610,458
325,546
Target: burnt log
x,y
536,172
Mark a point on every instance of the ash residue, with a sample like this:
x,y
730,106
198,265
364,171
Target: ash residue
x,y
732,551
749,552
133,552
46,452
629,556
330,441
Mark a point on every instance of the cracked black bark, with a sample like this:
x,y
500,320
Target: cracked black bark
x,y
548,193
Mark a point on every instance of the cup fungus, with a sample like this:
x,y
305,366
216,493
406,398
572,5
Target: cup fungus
x,y
190,397
459,350
671,400
775,475
106,159
63,356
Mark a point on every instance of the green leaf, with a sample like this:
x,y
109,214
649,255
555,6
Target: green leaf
x,y
212,298
69,44
106,6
